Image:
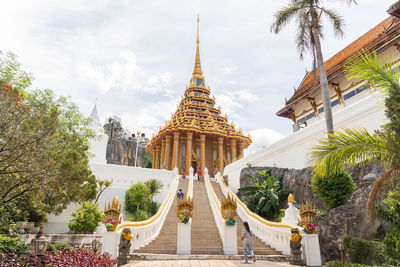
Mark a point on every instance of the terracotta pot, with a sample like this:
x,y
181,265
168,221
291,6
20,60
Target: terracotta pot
x,y
21,224
29,225
35,230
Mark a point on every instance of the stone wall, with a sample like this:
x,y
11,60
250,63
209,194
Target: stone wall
x,y
350,218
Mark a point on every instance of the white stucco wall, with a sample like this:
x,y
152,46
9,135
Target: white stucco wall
x,y
291,151
122,178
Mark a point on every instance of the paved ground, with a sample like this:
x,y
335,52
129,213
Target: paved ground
x,y
204,263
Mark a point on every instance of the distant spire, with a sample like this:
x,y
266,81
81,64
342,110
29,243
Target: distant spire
x,y
94,115
197,64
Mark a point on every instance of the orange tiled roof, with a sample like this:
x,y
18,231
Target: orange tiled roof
x,y
338,59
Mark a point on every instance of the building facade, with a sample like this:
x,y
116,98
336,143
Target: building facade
x,y
197,135
305,107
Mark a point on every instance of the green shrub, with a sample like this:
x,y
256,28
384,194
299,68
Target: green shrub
x,y
137,197
346,264
364,251
12,245
333,190
86,218
59,246
392,244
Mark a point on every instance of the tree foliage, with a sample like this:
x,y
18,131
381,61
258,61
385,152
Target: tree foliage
x,y
139,201
44,142
264,197
333,190
86,217
357,146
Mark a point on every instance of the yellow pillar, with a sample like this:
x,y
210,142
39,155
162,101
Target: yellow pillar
x,y
202,151
175,151
157,157
233,150
241,146
167,151
162,154
220,154
189,152
153,163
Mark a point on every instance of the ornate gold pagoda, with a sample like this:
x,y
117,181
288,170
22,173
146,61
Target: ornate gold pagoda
x,y
197,134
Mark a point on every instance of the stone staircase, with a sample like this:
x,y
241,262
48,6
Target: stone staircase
x,y
166,241
206,241
205,236
259,247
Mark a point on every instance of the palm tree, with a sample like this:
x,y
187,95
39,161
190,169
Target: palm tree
x,y
350,147
138,195
154,186
307,14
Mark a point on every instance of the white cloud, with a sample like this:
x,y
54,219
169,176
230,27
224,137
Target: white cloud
x,y
233,100
228,70
262,138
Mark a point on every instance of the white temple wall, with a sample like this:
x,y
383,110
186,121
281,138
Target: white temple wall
x,y
122,178
292,151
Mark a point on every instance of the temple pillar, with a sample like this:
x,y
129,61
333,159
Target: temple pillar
x,y
162,154
157,157
202,151
241,145
175,151
153,162
188,151
220,154
233,150
167,151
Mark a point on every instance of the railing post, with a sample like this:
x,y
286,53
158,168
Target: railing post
x,y
184,209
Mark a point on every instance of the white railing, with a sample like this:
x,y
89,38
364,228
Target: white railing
x,y
275,234
146,231
227,233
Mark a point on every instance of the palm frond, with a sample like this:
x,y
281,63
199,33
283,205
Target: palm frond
x,y
284,16
303,36
381,76
347,148
337,21
377,188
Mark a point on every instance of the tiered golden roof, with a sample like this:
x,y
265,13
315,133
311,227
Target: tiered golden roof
x,y
196,112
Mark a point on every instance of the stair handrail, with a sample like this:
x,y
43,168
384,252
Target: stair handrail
x,y
275,234
189,192
219,220
148,230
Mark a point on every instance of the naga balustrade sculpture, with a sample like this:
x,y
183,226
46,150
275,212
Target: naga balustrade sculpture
x,y
184,209
308,215
112,213
228,210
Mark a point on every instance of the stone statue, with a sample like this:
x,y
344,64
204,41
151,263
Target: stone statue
x,y
124,246
295,247
292,214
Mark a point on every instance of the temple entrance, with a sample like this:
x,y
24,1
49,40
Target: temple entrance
x,y
194,166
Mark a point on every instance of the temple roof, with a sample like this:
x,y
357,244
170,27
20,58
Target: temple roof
x,y
378,39
196,112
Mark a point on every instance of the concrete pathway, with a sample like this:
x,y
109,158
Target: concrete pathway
x,y
204,263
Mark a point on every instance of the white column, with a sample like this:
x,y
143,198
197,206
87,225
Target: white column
x,y
110,242
230,240
184,238
311,250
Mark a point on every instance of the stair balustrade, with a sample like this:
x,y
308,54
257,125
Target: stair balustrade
x,y
227,233
275,234
146,231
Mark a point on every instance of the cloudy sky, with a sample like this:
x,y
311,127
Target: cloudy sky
x,y
136,56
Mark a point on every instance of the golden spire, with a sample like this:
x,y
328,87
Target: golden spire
x,y
197,65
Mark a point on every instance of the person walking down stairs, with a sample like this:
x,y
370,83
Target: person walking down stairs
x,y
246,238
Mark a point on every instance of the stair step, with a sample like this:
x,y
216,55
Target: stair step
x,y
153,256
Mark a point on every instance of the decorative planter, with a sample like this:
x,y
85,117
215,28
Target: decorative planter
x,y
35,229
30,225
21,224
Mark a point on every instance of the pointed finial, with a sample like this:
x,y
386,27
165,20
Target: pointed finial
x,y
197,65
198,22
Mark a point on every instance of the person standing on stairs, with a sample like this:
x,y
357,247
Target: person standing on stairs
x,y
199,173
180,194
246,238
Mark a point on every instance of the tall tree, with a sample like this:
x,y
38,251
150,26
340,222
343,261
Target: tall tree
x,y
349,147
44,143
307,14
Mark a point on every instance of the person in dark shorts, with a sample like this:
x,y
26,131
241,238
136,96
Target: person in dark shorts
x,y
180,194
